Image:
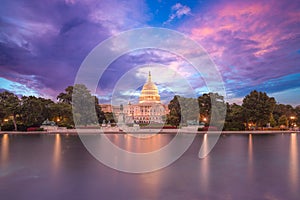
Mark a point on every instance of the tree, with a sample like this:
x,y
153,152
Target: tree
x,y
82,108
35,110
212,104
189,109
257,107
83,104
234,118
10,106
99,112
182,110
62,114
109,117
174,116
272,121
205,106
282,109
283,120
297,111
2,112
67,96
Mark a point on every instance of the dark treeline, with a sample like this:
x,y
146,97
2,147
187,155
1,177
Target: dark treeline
x,y
29,111
257,110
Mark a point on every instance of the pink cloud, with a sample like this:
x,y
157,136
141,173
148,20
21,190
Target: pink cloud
x,y
247,38
178,10
240,20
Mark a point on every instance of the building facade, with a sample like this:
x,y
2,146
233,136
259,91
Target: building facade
x,y
149,109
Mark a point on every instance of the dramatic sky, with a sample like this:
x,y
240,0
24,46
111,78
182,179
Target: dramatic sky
x,y
254,44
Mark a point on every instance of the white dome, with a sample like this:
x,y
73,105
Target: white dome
x,y
149,92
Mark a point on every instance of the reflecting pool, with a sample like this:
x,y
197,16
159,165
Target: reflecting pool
x,y
239,167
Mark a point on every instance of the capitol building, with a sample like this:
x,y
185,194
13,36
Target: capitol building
x,y
149,109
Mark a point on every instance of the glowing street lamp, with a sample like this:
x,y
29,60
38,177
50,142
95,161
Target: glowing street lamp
x,y
5,120
292,121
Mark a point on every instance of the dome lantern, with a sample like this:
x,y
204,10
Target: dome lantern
x,y
149,92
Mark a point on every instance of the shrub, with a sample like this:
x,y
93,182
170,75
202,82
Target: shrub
x,y
35,129
7,127
22,127
234,126
211,128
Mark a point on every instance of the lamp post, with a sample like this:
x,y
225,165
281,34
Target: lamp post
x,y
292,120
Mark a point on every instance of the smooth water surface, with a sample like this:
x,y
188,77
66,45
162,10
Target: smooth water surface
x,y
239,167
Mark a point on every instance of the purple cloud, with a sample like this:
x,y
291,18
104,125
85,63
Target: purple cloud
x,y
251,42
255,44
50,39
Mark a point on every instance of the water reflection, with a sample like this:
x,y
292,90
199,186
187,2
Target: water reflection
x,y
250,155
294,163
139,145
204,173
153,184
144,145
57,153
4,149
273,160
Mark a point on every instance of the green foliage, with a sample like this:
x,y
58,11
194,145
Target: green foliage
x,y
10,106
297,112
273,123
234,118
109,117
283,120
212,105
35,110
189,109
174,117
32,111
205,106
84,106
67,96
99,112
281,109
258,107
10,127
61,113
181,110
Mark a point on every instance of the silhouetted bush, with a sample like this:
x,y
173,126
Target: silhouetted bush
x,y
35,129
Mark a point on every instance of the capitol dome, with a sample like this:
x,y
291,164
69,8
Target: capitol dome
x,y
149,92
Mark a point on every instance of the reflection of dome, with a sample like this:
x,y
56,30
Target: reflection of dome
x,y
149,92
